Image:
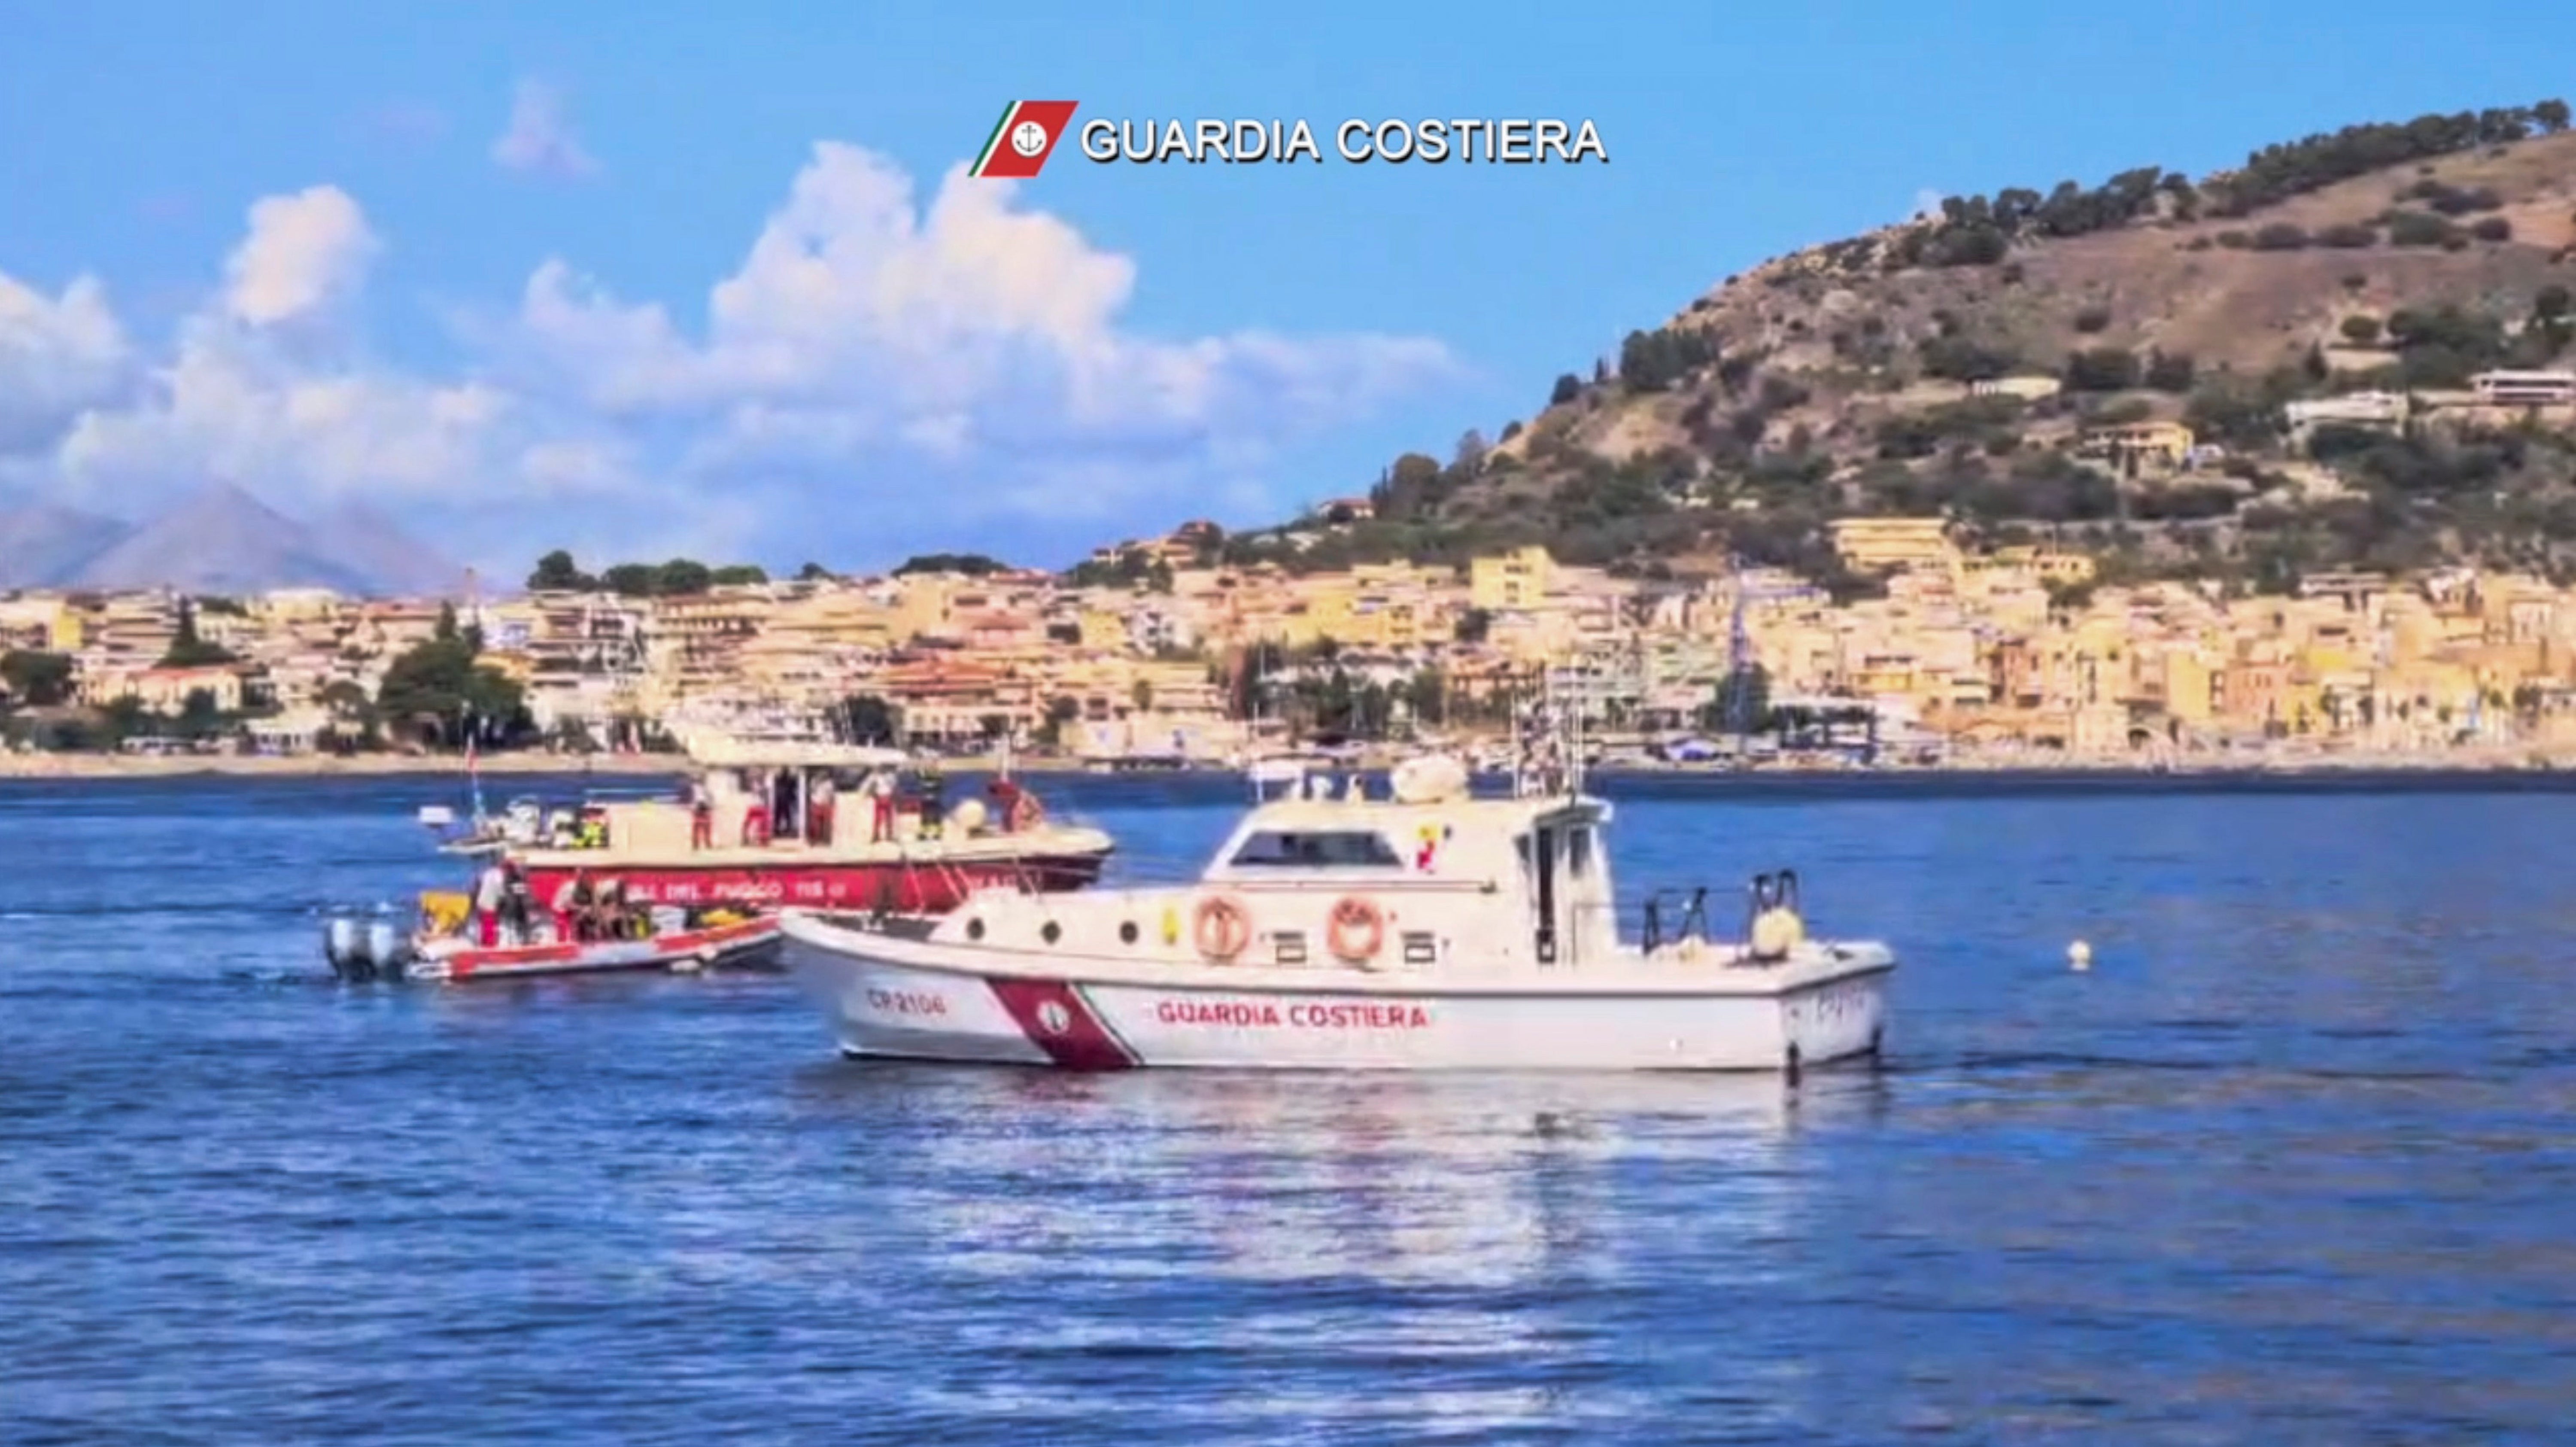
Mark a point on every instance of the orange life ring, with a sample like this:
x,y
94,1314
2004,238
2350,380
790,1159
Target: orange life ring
x,y
1221,928
1353,915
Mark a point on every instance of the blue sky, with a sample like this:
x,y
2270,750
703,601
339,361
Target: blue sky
x,y
473,345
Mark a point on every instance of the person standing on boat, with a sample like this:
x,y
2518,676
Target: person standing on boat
x,y
491,893
818,810
933,788
572,906
518,911
880,787
702,816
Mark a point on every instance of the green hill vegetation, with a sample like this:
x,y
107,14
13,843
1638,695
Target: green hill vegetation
x,y
1840,381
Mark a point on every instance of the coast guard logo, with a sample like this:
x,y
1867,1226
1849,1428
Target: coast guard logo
x,y
1023,139
1054,1018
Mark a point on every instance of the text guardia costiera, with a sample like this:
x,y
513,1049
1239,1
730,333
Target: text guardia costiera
x,y
1513,142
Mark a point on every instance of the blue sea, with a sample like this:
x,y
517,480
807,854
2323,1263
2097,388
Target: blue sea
x,y
2294,1162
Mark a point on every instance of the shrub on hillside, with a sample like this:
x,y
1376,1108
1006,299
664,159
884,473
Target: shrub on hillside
x,y
2185,502
2235,240
2092,319
2280,236
2491,228
1568,387
1962,359
2417,228
2361,331
2169,371
2347,236
2101,369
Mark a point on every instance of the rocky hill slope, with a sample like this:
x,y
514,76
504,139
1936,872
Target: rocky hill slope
x,y
1838,380
220,540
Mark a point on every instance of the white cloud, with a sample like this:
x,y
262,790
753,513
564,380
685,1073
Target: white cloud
x,y
303,253
877,374
1927,204
540,137
58,356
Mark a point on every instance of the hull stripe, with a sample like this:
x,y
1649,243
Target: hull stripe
x,y
1058,1020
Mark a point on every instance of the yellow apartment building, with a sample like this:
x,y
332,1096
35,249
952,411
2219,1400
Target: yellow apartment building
x,y
1882,545
1510,582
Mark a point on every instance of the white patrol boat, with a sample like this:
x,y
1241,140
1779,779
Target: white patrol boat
x,y
1422,930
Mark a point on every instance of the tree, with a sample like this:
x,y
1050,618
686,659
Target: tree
x,y
632,580
1568,387
681,577
2550,116
2551,302
2361,331
187,650
2169,371
445,629
439,689
556,573
1473,625
1470,454
37,680
973,565
2101,369
813,573
736,575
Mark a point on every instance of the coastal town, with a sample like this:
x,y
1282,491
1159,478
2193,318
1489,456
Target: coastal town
x,y
1156,655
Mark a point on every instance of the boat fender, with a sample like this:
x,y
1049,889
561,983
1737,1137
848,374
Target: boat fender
x,y
1356,930
1171,925
1221,928
1776,931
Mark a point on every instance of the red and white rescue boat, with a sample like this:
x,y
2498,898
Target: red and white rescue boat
x,y
1427,930
771,823
457,959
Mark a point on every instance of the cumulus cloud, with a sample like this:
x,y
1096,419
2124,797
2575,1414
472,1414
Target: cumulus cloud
x,y
879,372
540,137
303,253
58,356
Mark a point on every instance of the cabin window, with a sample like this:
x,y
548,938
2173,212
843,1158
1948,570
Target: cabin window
x,y
1578,853
1319,849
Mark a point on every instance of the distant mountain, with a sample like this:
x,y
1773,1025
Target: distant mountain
x,y
45,545
221,540
363,541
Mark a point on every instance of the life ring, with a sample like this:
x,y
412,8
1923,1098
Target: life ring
x,y
1220,928
1354,916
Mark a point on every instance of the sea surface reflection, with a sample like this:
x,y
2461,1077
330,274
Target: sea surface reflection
x,y
2290,1164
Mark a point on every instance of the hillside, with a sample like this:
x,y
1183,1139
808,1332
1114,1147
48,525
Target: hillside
x,y
220,540
1835,381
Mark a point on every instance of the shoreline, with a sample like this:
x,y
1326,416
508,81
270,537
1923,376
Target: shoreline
x,y
2464,762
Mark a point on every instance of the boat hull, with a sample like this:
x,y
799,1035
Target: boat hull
x,y
905,1009
747,942
895,886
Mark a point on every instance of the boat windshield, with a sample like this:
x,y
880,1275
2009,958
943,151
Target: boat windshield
x,y
1330,849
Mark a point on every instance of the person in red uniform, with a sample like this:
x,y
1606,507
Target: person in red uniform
x,y
702,818
818,811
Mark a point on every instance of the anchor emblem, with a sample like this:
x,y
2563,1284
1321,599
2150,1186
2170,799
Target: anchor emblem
x,y
1053,1018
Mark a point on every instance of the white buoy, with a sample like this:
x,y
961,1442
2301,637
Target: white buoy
x,y
2080,955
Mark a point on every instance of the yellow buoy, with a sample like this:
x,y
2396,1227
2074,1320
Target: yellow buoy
x,y
2080,955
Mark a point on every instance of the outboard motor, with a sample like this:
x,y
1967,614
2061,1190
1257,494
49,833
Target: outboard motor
x,y
386,947
344,944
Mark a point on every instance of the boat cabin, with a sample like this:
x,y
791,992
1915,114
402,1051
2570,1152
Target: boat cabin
x,y
1328,873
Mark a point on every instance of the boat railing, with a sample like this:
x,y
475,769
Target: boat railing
x,y
1668,916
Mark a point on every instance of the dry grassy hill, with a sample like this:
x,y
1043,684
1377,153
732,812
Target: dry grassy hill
x,y
1835,380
